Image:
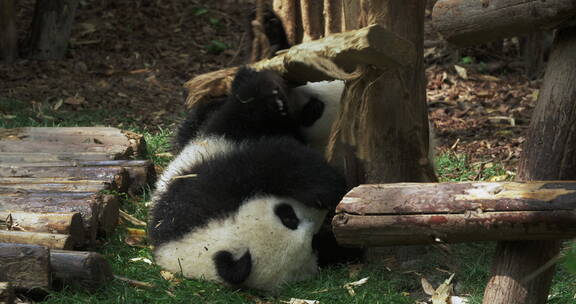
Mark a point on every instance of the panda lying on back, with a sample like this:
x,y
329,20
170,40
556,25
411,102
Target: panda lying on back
x,y
243,200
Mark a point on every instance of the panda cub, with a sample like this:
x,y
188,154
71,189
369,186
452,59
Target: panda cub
x,y
242,201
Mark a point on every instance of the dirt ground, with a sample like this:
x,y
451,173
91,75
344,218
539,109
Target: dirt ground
x,y
136,55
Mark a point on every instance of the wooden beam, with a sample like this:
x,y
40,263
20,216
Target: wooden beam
x,y
470,22
49,240
426,213
334,56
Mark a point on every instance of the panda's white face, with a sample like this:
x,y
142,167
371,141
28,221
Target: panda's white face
x,y
276,232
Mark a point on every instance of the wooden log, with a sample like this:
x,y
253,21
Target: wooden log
x,y
79,139
87,204
6,293
51,28
425,213
140,172
69,223
68,184
546,155
26,266
117,177
109,213
12,157
8,34
470,22
328,58
49,240
85,270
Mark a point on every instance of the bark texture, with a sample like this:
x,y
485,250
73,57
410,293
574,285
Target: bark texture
x,y
548,154
81,269
470,22
26,266
51,28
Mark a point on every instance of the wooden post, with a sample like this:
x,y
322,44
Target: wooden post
x,y
8,34
51,28
548,154
69,223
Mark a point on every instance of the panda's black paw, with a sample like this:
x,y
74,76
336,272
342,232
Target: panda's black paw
x,y
233,272
311,112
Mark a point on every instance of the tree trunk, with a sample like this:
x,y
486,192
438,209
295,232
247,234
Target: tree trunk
x,y
289,12
8,34
383,127
470,22
312,23
532,47
26,266
333,12
51,28
548,154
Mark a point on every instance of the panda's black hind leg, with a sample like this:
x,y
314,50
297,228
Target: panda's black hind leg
x,y
232,271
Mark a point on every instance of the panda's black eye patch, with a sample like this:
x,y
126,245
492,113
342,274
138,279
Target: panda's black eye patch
x,y
286,214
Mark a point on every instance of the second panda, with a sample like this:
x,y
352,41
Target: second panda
x,y
242,201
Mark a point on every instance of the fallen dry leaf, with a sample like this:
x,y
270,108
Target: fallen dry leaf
x,y
145,260
350,286
461,71
135,237
301,301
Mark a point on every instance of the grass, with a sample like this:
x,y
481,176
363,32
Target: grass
x,y
387,282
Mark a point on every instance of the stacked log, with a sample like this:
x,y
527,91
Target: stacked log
x,y
58,191
32,267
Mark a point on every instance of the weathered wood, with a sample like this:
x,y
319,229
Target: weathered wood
x,y
69,223
322,59
140,172
548,154
51,28
8,34
26,266
55,157
109,213
289,13
87,204
68,184
470,22
87,141
6,293
86,270
333,14
423,213
312,24
49,240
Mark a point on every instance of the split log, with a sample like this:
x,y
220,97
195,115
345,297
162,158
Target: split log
x,y
14,157
116,176
6,293
331,57
69,223
68,184
426,213
51,28
100,212
140,172
49,240
470,22
84,140
86,270
8,34
26,266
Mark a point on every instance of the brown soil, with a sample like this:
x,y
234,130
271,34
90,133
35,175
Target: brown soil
x,y
135,56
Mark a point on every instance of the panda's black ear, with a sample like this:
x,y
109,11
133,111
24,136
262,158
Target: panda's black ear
x,y
311,112
233,272
244,76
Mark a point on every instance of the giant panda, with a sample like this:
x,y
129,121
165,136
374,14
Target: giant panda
x,y
243,200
